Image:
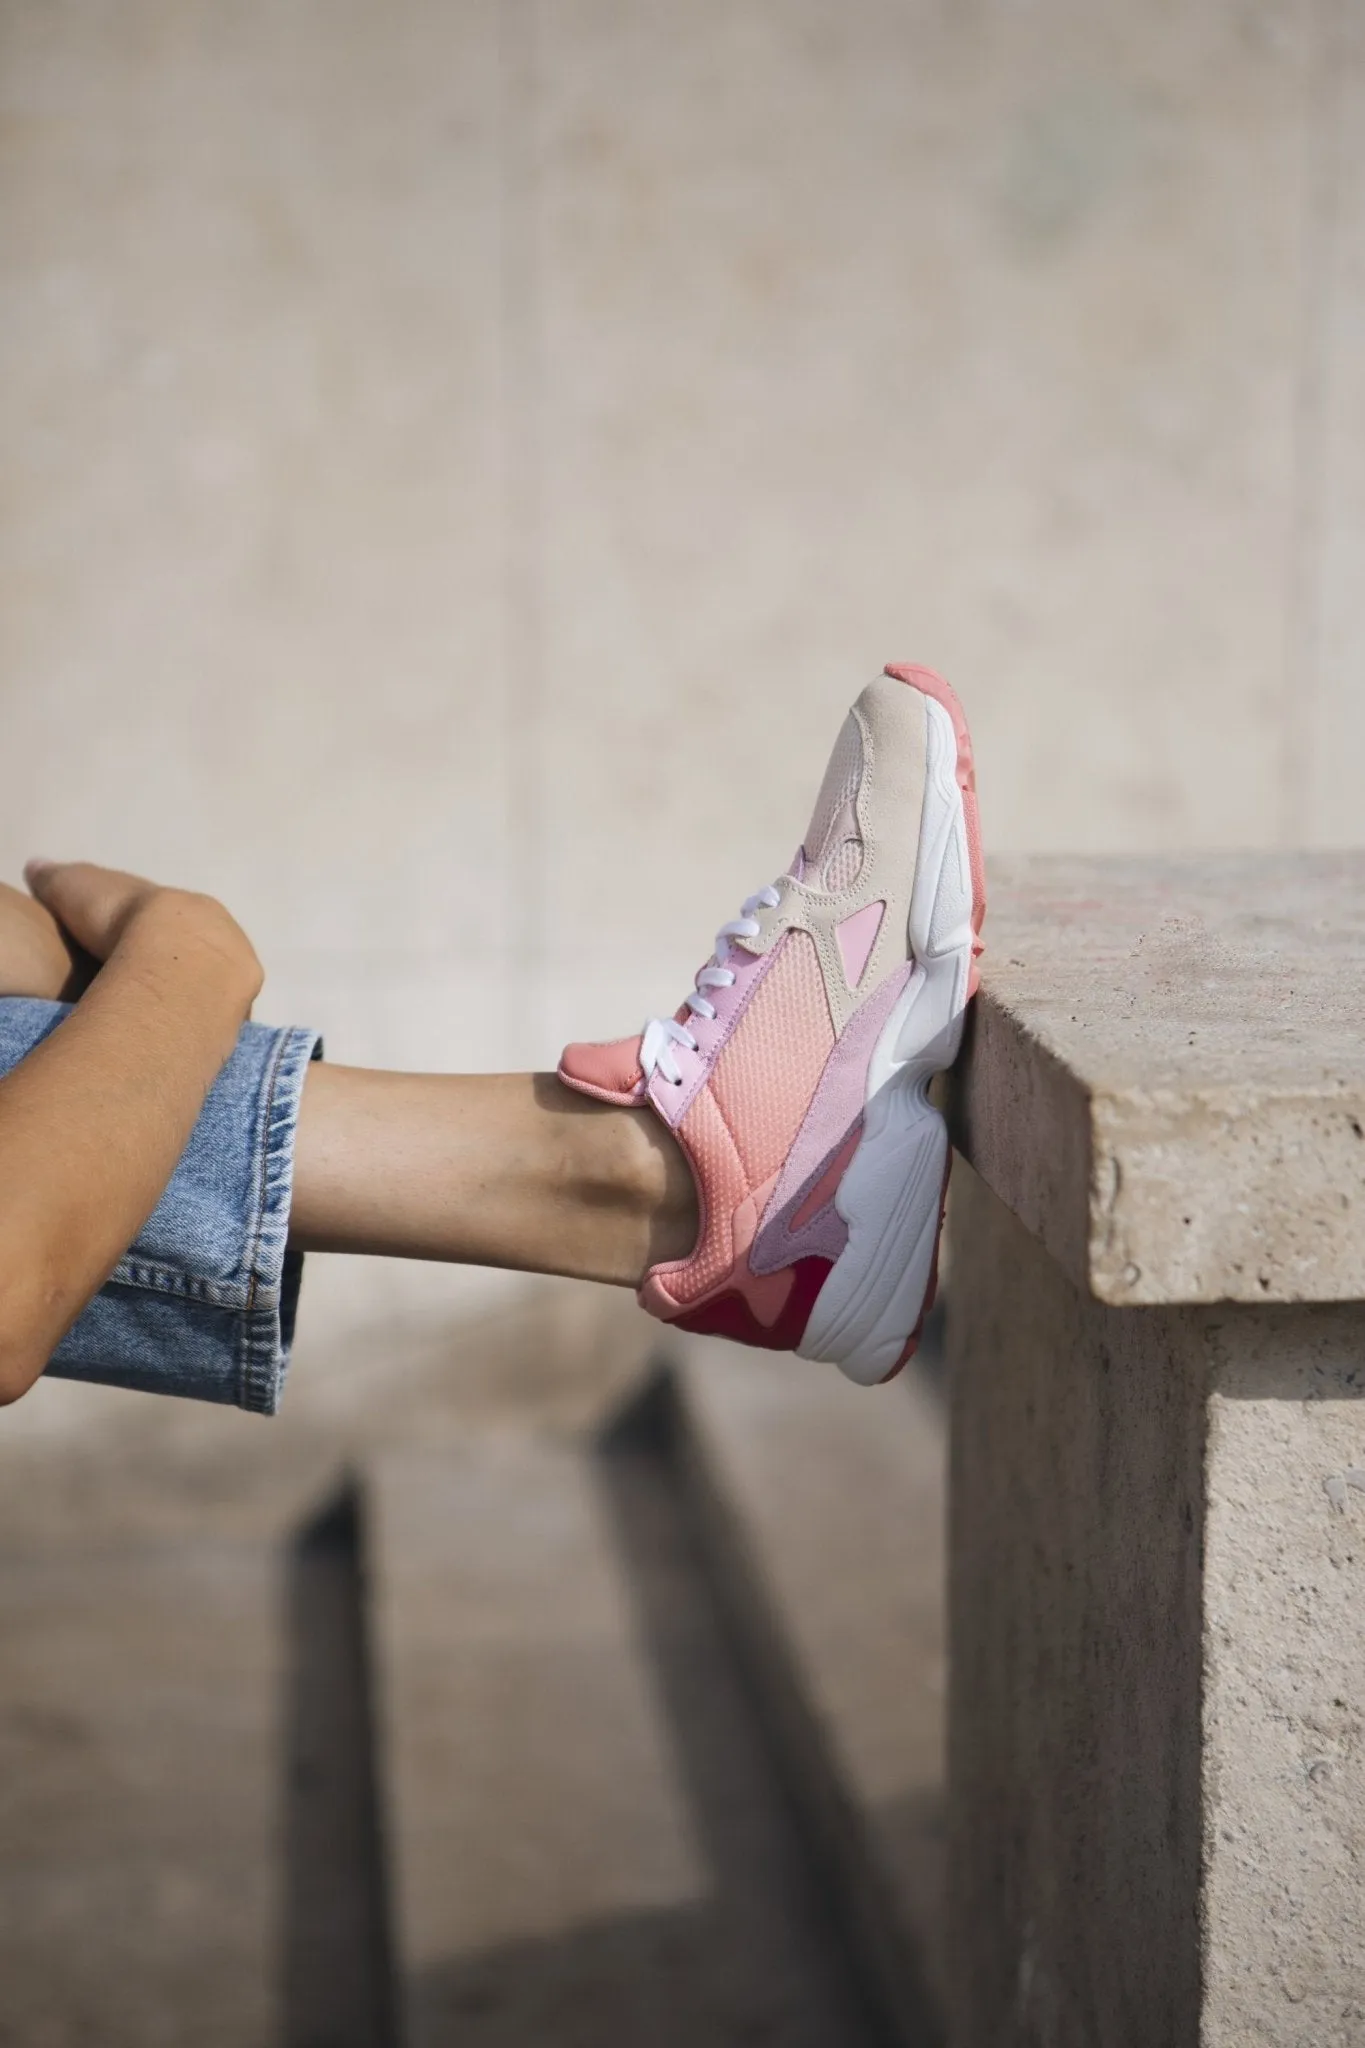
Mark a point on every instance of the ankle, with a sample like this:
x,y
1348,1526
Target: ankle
x,y
668,1193
630,1176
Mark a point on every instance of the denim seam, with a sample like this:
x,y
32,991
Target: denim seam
x,y
263,1181
153,1278
260,1344
259,1364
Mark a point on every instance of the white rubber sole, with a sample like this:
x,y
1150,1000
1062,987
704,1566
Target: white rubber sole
x,y
891,1197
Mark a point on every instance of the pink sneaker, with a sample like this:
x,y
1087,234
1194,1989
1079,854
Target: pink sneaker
x,y
796,1075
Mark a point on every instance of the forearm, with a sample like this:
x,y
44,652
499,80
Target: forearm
x,y
93,1122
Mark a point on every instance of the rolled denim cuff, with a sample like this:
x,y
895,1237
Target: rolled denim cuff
x,y
203,1304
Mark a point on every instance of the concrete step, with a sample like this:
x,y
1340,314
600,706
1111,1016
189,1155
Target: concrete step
x,y
187,1857
586,1843
822,1509
587,1840
140,1704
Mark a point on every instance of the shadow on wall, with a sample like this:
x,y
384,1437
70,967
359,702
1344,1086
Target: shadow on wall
x,y
338,1976
759,1962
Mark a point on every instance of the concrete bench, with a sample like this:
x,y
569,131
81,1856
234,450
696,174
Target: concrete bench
x,y
1156,1769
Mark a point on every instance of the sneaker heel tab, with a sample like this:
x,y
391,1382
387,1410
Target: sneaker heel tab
x,y
919,678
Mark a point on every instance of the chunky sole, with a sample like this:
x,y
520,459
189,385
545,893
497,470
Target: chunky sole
x,y
867,1316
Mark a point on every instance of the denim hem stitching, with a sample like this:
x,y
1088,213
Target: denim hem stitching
x,y
153,1278
262,1358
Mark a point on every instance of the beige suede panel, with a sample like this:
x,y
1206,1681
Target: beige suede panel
x,y
892,720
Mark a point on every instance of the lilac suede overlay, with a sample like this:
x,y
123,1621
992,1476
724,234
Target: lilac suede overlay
x,y
835,1109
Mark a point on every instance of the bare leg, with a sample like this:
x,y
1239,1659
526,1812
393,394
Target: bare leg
x,y
487,1170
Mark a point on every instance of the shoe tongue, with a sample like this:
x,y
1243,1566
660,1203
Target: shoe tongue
x,y
834,820
610,1072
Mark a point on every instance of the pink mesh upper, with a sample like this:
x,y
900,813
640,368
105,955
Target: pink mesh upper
x,y
836,1108
729,1217
721,1175
739,1127
843,867
764,1079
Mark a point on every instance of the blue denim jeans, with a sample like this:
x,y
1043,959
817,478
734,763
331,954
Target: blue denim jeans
x,y
203,1303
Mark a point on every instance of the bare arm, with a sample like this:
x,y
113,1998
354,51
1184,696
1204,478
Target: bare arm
x,y
93,1121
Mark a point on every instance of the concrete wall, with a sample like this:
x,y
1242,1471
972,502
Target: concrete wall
x,y
456,458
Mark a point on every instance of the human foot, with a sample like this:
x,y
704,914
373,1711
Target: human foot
x,y
795,1076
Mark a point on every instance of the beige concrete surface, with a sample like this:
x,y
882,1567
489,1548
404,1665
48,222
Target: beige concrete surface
x,y
585,1844
1284,1678
1075,1642
177,1861
144,1695
1166,1078
512,1680
139,1795
1327,701
825,1512
251,564
1156,1774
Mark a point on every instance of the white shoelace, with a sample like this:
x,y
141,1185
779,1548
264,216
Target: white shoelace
x,y
661,1034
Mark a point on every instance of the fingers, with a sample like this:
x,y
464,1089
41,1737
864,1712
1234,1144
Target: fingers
x,y
35,957
92,903
101,908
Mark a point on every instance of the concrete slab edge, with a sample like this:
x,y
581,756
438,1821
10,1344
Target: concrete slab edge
x,y
1152,1199
863,1893
1023,1120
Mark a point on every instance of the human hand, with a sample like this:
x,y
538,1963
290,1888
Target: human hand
x,y
106,911
36,957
